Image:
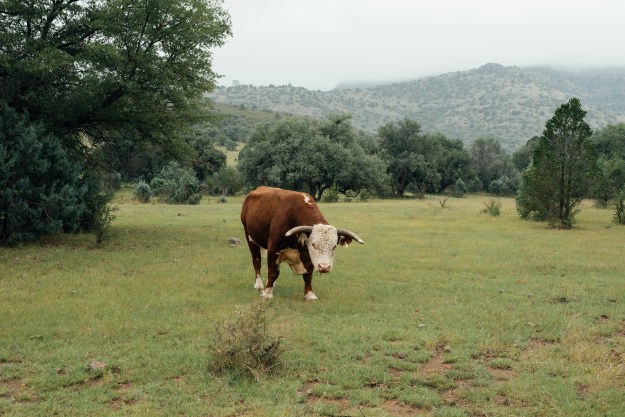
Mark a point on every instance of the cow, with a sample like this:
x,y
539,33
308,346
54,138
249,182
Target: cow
x,y
290,227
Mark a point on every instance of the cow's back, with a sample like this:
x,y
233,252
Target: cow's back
x,y
269,210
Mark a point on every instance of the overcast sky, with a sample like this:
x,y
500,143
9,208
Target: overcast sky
x,y
319,43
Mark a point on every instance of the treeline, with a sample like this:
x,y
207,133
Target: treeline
x,y
327,157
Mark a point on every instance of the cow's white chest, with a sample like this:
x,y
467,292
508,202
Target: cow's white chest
x,y
291,257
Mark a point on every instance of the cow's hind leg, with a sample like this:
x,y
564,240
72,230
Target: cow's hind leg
x,y
273,267
255,251
308,291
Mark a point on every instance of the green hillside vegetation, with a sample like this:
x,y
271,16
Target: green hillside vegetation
x,y
508,103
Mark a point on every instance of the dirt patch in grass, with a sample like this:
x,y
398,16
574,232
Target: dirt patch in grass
x,y
435,365
14,389
118,403
501,375
397,408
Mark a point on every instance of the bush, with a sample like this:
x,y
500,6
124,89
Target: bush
x,y
103,219
331,195
502,186
43,188
142,192
619,207
177,185
459,189
244,345
493,207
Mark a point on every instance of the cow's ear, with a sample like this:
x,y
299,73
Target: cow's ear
x,y
345,241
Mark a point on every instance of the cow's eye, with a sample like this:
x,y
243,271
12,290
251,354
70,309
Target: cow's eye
x,y
334,248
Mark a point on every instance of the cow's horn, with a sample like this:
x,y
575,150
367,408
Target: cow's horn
x,y
348,233
299,229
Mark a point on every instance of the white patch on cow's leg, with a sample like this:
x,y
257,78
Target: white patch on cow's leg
x,y
310,296
267,293
259,283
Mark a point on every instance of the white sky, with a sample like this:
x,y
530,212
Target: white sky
x,y
319,43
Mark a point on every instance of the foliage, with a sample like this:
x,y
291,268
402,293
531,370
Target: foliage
x,y
522,157
490,161
208,160
106,70
142,192
502,186
227,181
310,155
331,195
610,145
563,166
459,188
43,189
176,185
491,101
619,207
244,345
421,162
103,223
493,207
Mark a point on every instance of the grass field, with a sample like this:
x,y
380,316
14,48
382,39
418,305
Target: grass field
x,y
443,312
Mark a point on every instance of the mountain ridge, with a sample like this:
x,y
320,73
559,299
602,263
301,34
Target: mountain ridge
x,y
511,103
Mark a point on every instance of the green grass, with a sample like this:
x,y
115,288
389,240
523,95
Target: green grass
x,y
443,312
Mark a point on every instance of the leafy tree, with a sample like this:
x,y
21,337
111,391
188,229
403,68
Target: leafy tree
x,y
93,71
610,145
490,161
227,181
176,185
43,188
523,156
310,155
421,162
563,167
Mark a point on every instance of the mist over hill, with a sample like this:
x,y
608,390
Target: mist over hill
x,y
511,104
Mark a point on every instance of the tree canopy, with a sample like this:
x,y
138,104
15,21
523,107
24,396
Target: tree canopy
x,y
312,156
419,161
104,69
562,169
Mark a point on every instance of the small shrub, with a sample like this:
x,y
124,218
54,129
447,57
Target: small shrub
x,y
177,185
619,207
230,145
142,192
364,195
443,201
244,345
331,195
102,223
493,207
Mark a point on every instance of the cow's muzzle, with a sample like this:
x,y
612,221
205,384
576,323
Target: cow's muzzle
x,y
324,268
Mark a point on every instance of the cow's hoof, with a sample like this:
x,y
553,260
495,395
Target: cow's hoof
x,y
259,284
310,296
267,293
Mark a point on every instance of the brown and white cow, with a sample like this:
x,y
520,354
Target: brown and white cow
x,y
289,225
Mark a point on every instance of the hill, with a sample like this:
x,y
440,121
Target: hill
x,y
509,103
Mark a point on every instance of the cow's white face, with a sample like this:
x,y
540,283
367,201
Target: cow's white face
x,y
322,246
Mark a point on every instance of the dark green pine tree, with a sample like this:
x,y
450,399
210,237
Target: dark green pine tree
x,y
563,166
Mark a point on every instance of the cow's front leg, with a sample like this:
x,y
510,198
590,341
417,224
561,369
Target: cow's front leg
x,y
273,267
309,295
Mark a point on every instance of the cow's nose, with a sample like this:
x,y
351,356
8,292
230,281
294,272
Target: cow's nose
x,y
324,267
